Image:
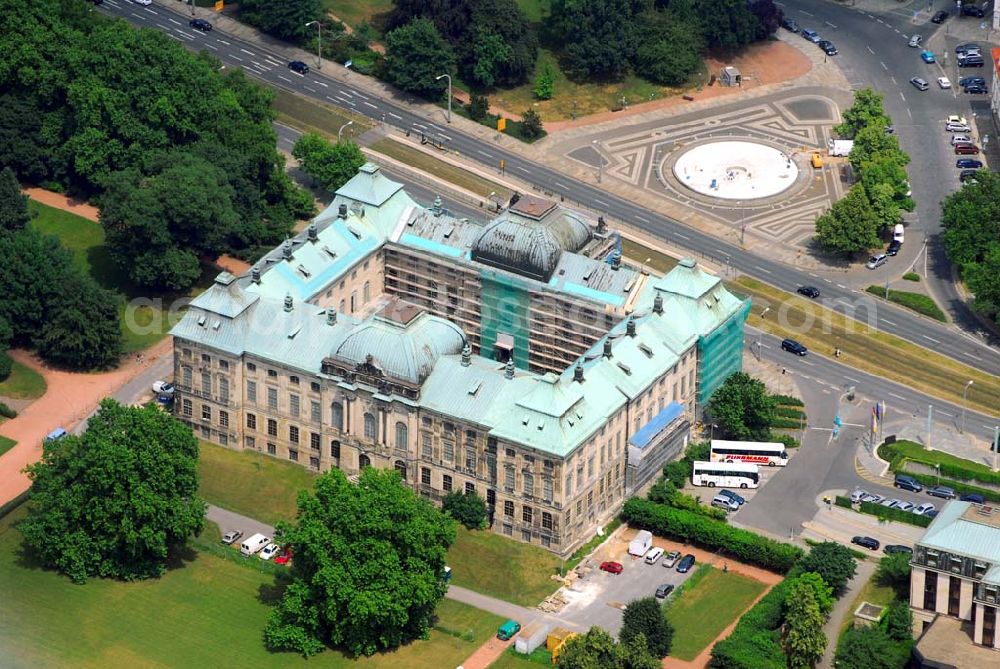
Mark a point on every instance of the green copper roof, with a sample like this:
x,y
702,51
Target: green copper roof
x,y
966,529
369,186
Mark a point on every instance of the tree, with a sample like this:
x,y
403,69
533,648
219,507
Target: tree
x,y
545,83
598,650
899,620
894,571
983,279
833,562
874,143
888,171
416,55
867,648
802,635
769,18
367,574
668,49
867,110
116,500
743,408
728,25
531,125
285,19
14,214
822,591
599,36
851,225
83,331
478,107
330,165
467,508
645,617
971,221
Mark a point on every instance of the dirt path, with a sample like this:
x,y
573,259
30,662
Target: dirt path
x,y
64,202
487,654
70,397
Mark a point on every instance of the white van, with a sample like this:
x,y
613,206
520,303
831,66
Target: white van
x,y
254,544
653,555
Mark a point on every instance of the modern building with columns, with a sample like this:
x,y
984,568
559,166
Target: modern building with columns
x,y
956,573
518,358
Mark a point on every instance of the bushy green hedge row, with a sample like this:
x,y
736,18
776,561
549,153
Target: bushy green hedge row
x,y
788,400
845,502
788,423
788,440
6,365
897,458
930,480
6,411
756,640
789,412
895,514
711,535
915,301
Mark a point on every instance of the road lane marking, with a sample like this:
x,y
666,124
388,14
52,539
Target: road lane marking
x,y
813,275
223,41
236,58
262,67
176,23
830,24
901,94
805,12
560,185
483,153
162,27
880,21
971,355
362,95
930,339
396,116
284,78
321,84
309,88
883,66
251,53
518,167
898,397
806,362
150,11
212,47
642,218
888,322
682,235
175,37
852,380
869,50
370,105
761,269
600,201
841,286
945,413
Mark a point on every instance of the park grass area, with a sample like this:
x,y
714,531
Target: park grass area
x,y
922,304
822,330
659,262
354,12
453,174
871,592
914,451
145,321
511,659
204,612
6,443
24,383
309,115
494,565
250,483
704,610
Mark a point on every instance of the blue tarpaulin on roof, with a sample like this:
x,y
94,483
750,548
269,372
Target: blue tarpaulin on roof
x,y
645,435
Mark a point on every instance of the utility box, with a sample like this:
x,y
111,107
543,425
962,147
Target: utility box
x,y
840,147
531,637
556,637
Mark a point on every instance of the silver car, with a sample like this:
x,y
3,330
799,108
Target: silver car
x,y
670,559
859,495
877,261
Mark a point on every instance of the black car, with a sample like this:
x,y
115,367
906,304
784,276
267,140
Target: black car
x,y
827,46
812,292
866,542
968,163
793,346
684,566
977,90
971,81
200,24
733,496
972,497
972,10
894,247
940,17
790,24
298,66
890,549
967,175
664,591
907,483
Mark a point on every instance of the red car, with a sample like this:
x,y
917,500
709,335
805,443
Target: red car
x,y
612,567
966,149
284,557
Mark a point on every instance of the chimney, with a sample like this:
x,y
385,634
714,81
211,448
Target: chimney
x,y
658,304
288,301
508,372
255,274
342,211
607,348
286,249
466,355
578,372
616,261
630,326
331,316
437,206
312,233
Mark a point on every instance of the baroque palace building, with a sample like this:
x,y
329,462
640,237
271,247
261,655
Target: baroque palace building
x,y
518,358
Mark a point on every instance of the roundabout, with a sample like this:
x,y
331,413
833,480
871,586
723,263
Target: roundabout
x,y
736,170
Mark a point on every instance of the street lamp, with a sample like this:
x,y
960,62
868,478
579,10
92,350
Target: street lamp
x,y
340,132
448,77
319,43
192,7
600,162
965,392
760,336
711,431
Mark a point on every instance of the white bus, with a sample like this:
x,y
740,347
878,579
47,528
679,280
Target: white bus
x,y
759,452
725,474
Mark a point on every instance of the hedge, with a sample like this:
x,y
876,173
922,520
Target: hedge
x,y
788,400
6,365
874,509
6,411
915,301
931,480
789,412
711,535
756,640
911,276
786,439
788,423
897,459
845,502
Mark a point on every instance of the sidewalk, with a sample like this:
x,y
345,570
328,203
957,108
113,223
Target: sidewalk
x,y
843,609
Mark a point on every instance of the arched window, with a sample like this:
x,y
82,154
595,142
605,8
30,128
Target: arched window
x,y
367,292
371,428
401,440
364,461
341,308
338,415
186,371
401,468
354,300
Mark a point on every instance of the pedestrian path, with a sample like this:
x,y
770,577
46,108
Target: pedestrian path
x,y
843,609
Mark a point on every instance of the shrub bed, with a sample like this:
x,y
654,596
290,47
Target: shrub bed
x,y
845,502
711,534
894,514
6,411
788,400
789,412
788,423
6,364
918,302
911,276
786,439
950,466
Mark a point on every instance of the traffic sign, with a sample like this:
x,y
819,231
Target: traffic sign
x,y
501,124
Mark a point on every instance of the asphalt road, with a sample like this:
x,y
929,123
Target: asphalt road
x,y
269,67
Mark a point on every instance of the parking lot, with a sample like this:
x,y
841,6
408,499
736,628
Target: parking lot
x,y
705,493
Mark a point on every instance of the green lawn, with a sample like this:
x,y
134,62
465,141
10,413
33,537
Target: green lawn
x,y
446,171
918,302
353,12
145,320
305,114
206,612
500,567
511,659
6,444
659,262
872,592
254,484
915,451
23,383
700,613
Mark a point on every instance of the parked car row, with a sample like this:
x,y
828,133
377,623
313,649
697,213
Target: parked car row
x,y
260,545
828,47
